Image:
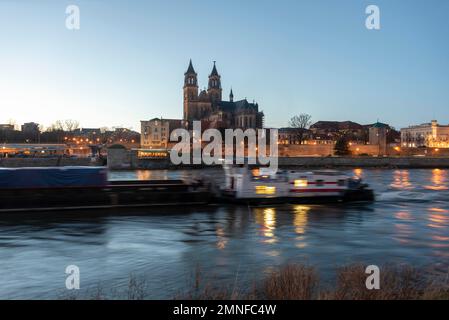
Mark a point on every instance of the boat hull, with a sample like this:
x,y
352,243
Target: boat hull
x,y
116,195
362,195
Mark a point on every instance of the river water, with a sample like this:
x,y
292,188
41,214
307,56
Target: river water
x,y
409,223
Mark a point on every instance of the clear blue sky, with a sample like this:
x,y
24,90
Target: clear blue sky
x,y
126,63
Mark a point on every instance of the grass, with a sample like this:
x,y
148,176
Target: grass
x,y
302,282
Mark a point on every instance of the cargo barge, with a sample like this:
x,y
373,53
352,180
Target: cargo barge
x,y
74,188
83,188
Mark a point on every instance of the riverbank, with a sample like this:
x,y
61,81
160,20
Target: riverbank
x,y
297,282
47,162
366,162
302,282
283,162
308,162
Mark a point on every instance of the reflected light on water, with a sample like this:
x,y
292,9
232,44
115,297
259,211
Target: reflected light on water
x,y
300,223
300,218
403,215
440,238
438,218
221,239
439,221
438,180
267,218
401,180
358,172
404,232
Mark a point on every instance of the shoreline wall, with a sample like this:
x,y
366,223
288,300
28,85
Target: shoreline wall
x,y
365,162
321,162
306,162
46,162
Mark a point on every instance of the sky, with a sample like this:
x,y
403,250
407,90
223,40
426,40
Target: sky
x,y
126,63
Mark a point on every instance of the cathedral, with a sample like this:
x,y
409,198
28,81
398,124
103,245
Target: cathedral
x,y
208,106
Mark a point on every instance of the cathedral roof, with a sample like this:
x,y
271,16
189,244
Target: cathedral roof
x,y
242,105
214,71
190,69
203,96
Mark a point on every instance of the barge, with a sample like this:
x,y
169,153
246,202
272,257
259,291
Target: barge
x,y
83,188
73,188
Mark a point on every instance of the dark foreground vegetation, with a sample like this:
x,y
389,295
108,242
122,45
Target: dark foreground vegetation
x,y
302,282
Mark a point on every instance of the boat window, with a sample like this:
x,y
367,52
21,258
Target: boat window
x,y
320,183
265,190
341,183
301,183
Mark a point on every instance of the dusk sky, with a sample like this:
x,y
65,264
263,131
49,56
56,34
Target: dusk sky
x,y
127,61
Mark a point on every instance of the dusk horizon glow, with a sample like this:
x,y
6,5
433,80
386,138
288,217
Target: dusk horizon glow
x,y
127,61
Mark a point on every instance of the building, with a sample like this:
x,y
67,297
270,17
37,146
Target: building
x,y
30,128
31,132
208,105
155,133
6,127
102,135
377,136
332,130
87,132
432,135
25,150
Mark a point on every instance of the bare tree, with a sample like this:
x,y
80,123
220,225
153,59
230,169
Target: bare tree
x,y
58,125
71,125
301,122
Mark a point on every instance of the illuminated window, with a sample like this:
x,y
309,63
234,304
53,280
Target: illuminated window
x,y
265,190
301,183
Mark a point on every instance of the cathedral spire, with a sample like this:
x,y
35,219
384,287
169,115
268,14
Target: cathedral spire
x,y
214,70
231,96
190,69
214,89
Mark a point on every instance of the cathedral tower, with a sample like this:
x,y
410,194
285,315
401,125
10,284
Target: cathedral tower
x,y
190,93
214,90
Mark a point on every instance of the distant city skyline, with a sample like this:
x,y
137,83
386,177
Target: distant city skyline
x,y
127,61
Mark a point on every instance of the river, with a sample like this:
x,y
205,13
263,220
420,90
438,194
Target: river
x,y
408,223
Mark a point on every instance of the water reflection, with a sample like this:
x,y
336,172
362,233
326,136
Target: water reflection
x,y
266,217
404,230
300,223
221,238
438,180
401,180
171,243
300,219
403,215
358,172
438,218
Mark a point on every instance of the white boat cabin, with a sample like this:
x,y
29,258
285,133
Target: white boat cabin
x,y
262,183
